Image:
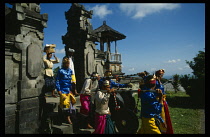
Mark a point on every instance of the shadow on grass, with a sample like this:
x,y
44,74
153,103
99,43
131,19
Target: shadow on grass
x,y
184,102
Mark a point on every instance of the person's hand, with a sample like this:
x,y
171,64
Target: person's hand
x,y
163,125
64,97
47,51
111,90
60,93
130,85
159,91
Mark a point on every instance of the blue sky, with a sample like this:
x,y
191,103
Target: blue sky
x,y
158,35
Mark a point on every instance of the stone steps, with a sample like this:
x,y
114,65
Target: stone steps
x,y
55,124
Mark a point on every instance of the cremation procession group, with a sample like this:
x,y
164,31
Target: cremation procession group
x,y
103,105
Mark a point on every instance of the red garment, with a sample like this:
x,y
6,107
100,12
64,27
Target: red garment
x,y
85,104
100,123
168,119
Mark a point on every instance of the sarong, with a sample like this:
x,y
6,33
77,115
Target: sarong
x,y
148,126
109,128
49,83
166,117
100,123
85,104
65,103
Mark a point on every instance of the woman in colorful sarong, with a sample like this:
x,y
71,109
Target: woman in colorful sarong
x,y
165,111
103,122
89,88
150,108
63,85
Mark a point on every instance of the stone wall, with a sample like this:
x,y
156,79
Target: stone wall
x,y
23,67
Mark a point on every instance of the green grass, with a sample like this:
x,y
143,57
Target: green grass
x,y
185,115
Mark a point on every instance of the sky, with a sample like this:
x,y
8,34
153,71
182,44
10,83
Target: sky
x,y
158,35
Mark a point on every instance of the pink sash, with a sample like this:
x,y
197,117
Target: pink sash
x,y
100,122
85,104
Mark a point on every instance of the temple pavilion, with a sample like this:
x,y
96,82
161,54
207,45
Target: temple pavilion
x,y
107,35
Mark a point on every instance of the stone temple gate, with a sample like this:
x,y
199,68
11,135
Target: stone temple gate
x,y
81,37
24,68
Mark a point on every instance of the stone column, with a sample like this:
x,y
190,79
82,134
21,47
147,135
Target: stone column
x,y
23,67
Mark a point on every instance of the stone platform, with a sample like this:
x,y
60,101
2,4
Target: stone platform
x,y
58,127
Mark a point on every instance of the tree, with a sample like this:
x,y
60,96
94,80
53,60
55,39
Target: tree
x,y
186,82
175,82
196,87
55,70
198,65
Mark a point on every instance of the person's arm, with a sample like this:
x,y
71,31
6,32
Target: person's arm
x,y
150,99
44,58
114,84
57,82
87,86
159,95
56,60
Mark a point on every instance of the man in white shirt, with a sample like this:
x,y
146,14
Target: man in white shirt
x,y
103,122
87,93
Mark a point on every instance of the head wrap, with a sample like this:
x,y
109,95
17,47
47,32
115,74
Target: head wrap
x,y
106,83
70,50
161,71
108,73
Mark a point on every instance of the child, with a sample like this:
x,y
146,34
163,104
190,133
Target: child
x,y
150,108
63,85
103,122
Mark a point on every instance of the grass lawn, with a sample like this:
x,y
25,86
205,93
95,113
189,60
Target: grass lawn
x,y
185,116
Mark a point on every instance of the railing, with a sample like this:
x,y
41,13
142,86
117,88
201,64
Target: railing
x,y
115,57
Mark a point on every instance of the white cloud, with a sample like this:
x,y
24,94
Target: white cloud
x,y
173,61
180,68
101,11
144,9
131,69
60,51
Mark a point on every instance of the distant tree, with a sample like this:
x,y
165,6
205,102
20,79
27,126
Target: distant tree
x,y
198,65
55,70
186,82
175,82
195,85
